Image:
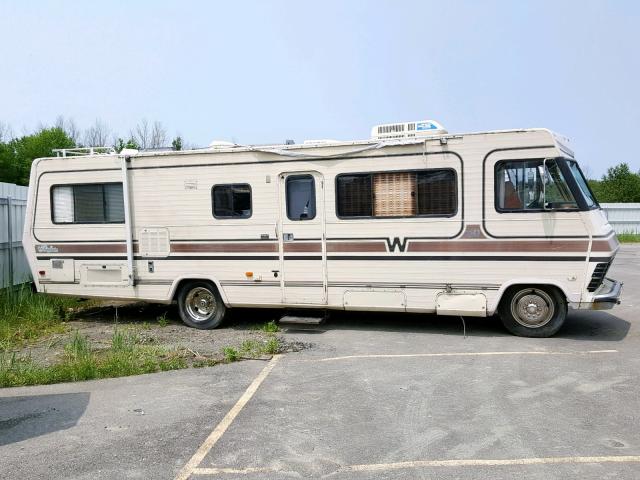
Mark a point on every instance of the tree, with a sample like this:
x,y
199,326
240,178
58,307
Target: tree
x,y
158,135
97,135
16,155
149,135
176,144
619,184
6,133
70,128
120,144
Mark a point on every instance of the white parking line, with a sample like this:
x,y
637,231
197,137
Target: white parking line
x,y
224,424
376,467
235,471
466,354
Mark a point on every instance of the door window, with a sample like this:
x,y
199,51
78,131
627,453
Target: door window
x,y
301,197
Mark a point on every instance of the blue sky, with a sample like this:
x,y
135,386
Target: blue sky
x,y
258,71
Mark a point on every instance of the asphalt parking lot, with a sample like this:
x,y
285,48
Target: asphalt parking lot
x,y
377,396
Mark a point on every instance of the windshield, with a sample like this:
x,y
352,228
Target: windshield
x,y
557,194
582,184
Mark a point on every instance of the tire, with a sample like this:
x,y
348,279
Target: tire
x,y
533,311
200,305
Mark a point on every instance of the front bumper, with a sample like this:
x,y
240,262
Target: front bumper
x,y
605,297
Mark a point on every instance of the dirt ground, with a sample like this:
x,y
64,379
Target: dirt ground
x,y
158,325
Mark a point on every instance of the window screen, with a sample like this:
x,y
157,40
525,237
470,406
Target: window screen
x,y
88,203
355,194
437,192
301,197
231,201
397,194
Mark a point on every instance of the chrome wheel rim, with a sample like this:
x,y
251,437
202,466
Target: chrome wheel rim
x,y
532,308
200,304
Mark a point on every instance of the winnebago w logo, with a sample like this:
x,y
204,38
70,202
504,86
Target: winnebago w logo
x,y
402,246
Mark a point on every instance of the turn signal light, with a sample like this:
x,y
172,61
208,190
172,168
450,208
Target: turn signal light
x,y
42,273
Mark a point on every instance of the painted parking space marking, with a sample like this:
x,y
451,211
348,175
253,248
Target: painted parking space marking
x,y
376,467
464,354
233,471
379,467
193,469
224,424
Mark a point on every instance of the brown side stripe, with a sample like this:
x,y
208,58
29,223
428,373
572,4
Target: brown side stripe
x,y
500,246
605,245
84,248
303,247
249,247
373,246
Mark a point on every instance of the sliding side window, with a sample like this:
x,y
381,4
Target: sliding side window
x,y
397,194
87,203
231,201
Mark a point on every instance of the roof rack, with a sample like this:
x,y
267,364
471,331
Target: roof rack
x,y
79,151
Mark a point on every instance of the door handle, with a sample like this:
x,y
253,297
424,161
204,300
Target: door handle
x,y
287,237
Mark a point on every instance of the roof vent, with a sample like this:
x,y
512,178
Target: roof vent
x,y
320,141
221,144
422,128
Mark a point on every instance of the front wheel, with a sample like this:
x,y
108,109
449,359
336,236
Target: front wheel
x,y
536,311
200,305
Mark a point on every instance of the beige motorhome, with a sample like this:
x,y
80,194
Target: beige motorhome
x,y
412,220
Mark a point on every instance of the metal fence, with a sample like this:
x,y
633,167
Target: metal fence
x,y
623,217
13,263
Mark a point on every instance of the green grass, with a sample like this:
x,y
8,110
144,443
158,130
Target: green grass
x,y
127,355
252,349
268,327
629,237
230,354
26,316
163,321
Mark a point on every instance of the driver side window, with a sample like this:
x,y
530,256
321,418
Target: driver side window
x,y
518,186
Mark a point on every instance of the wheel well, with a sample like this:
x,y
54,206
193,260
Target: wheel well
x,y
507,291
184,281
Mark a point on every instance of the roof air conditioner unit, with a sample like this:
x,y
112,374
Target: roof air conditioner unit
x,y
422,128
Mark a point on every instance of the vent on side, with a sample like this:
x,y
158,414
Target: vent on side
x,y
598,276
154,242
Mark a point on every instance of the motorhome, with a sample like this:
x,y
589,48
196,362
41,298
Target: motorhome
x,y
413,219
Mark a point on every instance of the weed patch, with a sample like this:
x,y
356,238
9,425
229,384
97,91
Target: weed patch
x,y
268,327
125,356
162,320
26,316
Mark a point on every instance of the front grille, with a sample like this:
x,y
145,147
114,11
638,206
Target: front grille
x,y
598,276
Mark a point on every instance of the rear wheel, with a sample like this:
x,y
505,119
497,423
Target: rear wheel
x,y
536,311
200,305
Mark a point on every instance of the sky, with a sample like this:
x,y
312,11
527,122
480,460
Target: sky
x,y
266,71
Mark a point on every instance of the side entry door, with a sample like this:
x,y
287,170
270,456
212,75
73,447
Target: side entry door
x,y
302,245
